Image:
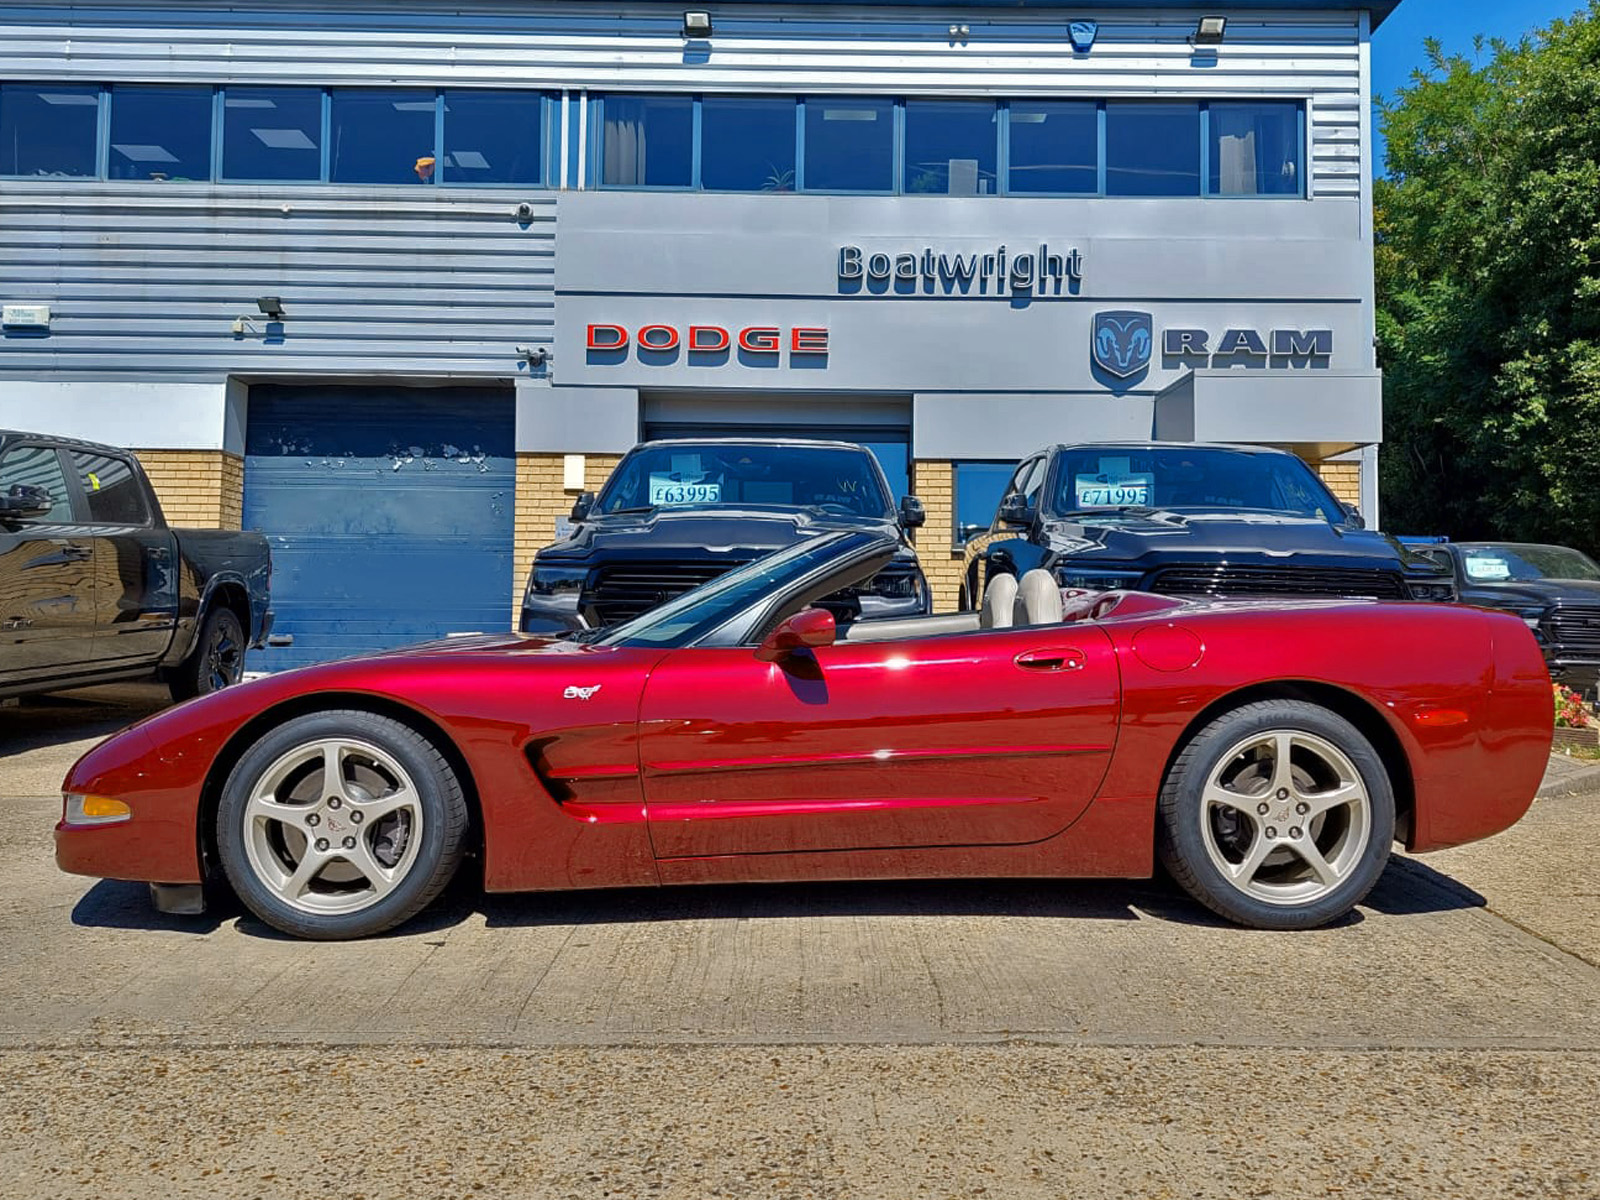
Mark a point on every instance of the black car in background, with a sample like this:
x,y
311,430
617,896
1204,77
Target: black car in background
x,y
1190,519
677,513
95,587
1555,589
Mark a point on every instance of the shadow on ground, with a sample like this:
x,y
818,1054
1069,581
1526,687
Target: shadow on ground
x,y
1406,888
36,722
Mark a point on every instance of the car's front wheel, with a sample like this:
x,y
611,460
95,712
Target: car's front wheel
x,y
340,825
1277,815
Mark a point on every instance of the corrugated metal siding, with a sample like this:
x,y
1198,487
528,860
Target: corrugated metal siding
x,y
375,281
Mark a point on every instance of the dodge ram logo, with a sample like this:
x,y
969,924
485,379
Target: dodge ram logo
x,y
1123,340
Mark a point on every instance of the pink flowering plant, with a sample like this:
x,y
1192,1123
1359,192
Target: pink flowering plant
x,y
1571,712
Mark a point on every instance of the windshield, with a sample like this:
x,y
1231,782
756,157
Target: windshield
x,y
1490,563
712,605
1096,479
683,474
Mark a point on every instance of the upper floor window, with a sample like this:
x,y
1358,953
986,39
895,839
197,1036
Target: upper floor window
x,y
1055,147
160,133
382,137
49,129
272,133
849,145
952,148
1255,148
648,141
493,137
1152,149
747,144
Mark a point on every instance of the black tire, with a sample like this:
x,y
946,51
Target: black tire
x,y
1193,834
217,660
251,857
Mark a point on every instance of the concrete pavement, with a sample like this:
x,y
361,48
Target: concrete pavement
x,y
982,1038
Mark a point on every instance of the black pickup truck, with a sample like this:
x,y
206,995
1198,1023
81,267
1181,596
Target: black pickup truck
x,y
1190,519
95,588
678,513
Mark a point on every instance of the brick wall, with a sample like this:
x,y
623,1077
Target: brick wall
x,y
933,482
541,500
1343,479
199,488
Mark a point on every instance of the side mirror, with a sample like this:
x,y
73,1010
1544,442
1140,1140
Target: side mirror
x,y
582,505
1352,515
1015,510
25,500
912,515
808,628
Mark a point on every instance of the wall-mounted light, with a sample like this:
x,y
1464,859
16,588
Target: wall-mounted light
x,y
271,307
535,356
696,24
1209,31
960,33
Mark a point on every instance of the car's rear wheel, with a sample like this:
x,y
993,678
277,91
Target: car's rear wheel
x,y
217,660
340,825
1277,815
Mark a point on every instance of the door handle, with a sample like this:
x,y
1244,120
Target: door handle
x,y
1062,658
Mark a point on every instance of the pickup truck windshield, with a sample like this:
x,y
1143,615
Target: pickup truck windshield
x,y
1178,478
1488,562
711,474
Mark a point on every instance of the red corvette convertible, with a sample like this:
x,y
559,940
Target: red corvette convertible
x,y
1269,753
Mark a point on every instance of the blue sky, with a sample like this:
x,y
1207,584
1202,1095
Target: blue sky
x,y
1397,46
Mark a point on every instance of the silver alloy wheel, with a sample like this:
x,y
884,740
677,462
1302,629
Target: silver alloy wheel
x,y
1285,816
333,826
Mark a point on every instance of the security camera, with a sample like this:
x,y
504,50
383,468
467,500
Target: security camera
x,y
524,212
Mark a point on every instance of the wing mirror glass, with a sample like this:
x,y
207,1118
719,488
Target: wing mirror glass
x,y
25,500
1015,510
807,629
912,515
582,505
1352,515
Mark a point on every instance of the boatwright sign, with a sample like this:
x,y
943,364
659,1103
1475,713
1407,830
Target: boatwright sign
x,y
1032,270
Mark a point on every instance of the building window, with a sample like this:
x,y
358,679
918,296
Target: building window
x,y
1152,149
979,487
849,145
952,148
272,134
1055,147
648,141
1254,148
161,133
747,144
49,130
382,137
493,137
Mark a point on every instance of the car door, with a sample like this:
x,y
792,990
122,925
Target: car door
x,y
988,738
137,602
47,581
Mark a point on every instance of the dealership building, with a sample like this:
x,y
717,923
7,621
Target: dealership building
x,y
392,282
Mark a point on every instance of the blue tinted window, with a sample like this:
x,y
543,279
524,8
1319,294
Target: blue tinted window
x,y
648,141
161,133
382,137
1054,146
1152,149
747,145
48,129
272,133
979,488
1255,149
951,148
493,137
849,145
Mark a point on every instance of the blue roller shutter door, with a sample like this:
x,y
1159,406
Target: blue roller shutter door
x,y
389,512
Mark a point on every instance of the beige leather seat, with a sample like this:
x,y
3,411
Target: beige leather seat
x,y
999,603
1038,600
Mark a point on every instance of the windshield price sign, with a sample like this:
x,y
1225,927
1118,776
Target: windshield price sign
x,y
664,489
1111,491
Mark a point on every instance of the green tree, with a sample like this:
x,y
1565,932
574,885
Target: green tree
x,y
1488,274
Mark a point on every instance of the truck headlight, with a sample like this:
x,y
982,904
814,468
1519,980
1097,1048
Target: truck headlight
x,y
1097,579
1432,590
556,581
900,585
1532,616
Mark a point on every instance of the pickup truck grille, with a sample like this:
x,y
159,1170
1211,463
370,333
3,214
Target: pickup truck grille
x,y
623,591
1311,582
1576,629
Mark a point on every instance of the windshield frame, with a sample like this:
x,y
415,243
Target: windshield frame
x,y
699,445
1332,511
730,614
